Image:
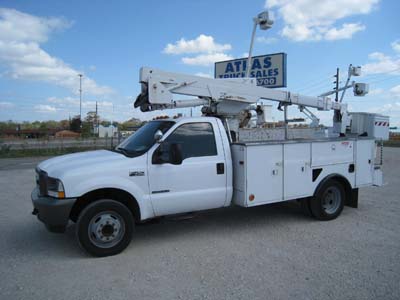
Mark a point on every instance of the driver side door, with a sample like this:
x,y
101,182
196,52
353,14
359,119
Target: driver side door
x,y
199,182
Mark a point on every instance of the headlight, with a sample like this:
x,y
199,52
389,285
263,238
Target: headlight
x,y
55,188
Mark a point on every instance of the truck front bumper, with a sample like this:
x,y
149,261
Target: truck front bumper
x,y
54,213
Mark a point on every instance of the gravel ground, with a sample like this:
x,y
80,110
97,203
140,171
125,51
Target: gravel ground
x,y
270,252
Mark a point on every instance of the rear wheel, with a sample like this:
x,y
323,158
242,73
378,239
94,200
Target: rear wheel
x,y
328,201
105,228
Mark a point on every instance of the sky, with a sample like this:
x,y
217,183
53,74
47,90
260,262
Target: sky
x,y
44,45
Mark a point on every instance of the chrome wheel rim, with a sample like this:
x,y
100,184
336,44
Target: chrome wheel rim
x,y
331,200
106,229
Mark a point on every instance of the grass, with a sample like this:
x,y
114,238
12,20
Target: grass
x,y
392,143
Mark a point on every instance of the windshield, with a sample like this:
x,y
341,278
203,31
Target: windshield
x,y
141,141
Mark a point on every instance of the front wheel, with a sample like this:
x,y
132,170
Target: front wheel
x,y
105,228
328,201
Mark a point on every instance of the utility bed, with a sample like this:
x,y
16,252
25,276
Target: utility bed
x,y
274,171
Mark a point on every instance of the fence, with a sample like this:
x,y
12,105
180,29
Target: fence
x,y
59,145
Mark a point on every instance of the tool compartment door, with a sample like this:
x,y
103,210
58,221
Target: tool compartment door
x,y
264,174
297,180
239,174
332,153
364,162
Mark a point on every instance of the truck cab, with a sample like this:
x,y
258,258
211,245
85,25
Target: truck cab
x,y
168,166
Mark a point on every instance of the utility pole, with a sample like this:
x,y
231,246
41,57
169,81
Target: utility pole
x,y
96,120
80,100
336,115
336,85
112,127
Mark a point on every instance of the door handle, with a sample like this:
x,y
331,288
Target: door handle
x,y
220,168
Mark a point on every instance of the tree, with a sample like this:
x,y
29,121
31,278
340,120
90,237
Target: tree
x,y
131,123
91,117
87,129
64,124
105,123
75,124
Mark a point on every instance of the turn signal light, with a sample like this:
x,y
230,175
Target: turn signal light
x,y
251,197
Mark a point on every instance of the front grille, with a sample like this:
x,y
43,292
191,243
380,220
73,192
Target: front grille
x,y
42,182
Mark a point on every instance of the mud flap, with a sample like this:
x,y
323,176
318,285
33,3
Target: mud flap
x,y
352,201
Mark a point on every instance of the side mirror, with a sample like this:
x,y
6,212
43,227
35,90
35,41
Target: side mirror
x,y
168,153
175,154
158,135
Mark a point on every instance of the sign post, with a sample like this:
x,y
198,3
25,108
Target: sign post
x,y
270,70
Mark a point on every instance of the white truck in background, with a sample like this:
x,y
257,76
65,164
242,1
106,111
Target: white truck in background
x,y
174,166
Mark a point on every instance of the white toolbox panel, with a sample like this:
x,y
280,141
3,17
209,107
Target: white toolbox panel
x,y
364,162
332,152
297,170
264,174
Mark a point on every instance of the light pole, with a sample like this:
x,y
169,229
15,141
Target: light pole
x,y
80,100
265,23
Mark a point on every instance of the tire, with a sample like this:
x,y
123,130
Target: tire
x,y
104,228
328,202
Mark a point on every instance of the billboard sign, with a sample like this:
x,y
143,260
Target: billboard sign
x,y
270,69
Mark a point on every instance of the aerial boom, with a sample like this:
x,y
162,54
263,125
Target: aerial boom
x,y
220,97
159,86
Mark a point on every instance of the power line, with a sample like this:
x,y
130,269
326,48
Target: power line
x,y
383,73
314,83
306,83
384,79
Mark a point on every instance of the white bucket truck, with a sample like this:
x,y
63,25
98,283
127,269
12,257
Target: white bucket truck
x,y
175,166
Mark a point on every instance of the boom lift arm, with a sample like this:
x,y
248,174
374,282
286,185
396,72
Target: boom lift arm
x,y
226,98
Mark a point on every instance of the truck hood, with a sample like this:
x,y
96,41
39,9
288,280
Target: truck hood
x,y
82,162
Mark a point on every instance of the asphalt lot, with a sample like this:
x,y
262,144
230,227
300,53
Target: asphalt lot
x,y
269,252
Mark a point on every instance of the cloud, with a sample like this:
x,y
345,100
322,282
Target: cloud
x,y
346,32
376,92
396,46
380,63
20,37
206,59
6,105
18,26
395,91
391,109
44,108
201,74
308,20
202,44
266,40
74,102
